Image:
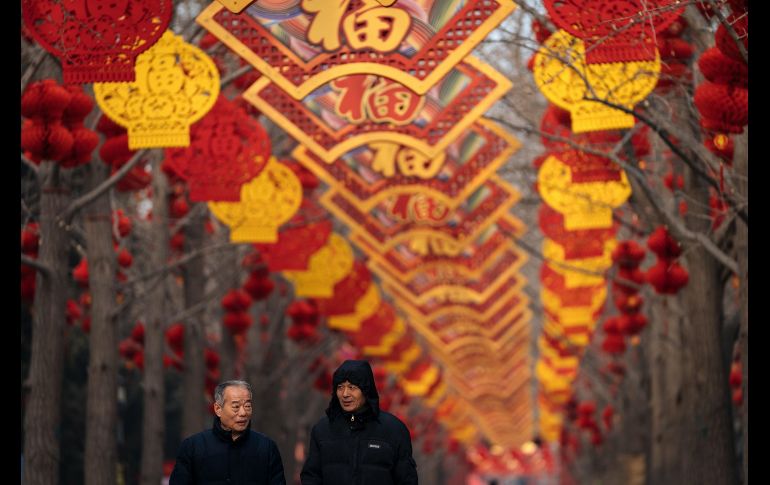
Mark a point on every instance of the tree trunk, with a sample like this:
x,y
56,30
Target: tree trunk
x,y
666,395
153,423
707,434
741,168
101,402
194,373
43,410
227,352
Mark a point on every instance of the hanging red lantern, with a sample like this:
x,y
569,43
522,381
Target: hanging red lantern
x,y
720,69
724,41
137,178
613,31
662,244
50,141
303,312
137,333
723,108
614,344
258,287
736,375
80,273
177,241
632,323
73,312
628,303
227,149
667,277
236,300
628,254
128,348
45,101
124,258
628,280
607,415
96,41
175,337
237,322
138,360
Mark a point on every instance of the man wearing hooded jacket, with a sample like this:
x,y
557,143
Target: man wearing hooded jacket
x,y
230,452
356,443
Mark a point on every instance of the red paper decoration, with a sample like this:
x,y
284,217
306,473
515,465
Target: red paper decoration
x,y
667,277
227,149
96,40
577,244
295,246
615,30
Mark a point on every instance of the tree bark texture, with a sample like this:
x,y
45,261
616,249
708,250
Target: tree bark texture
x,y
194,373
707,434
227,351
741,167
101,401
43,415
153,423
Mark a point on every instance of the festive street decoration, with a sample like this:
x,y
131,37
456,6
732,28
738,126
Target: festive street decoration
x,y
369,110
96,41
176,85
228,148
589,91
326,267
300,49
268,201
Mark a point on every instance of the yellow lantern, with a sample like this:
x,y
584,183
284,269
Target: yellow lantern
x,y
176,84
326,268
268,201
584,205
563,76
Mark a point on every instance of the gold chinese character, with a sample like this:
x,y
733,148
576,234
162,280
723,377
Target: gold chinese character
x,y
324,28
380,28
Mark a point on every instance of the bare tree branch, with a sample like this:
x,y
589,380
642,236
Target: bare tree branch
x,y
86,199
36,61
45,270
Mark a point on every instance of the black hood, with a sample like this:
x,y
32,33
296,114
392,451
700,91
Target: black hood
x,y
359,373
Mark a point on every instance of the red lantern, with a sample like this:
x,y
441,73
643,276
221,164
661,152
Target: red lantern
x,y
615,31
632,323
211,358
128,348
175,337
662,244
667,277
237,322
236,300
125,259
725,42
73,311
80,273
628,254
614,344
258,286
720,69
96,40
137,333
723,108
30,239
227,149
607,415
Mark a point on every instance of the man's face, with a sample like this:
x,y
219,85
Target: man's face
x,y
350,396
235,413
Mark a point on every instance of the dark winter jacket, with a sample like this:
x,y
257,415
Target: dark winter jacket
x,y
368,447
212,457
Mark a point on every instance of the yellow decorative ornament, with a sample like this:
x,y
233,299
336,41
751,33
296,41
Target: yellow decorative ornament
x,y
550,425
436,396
236,6
326,268
563,76
568,314
405,360
176,84
546,351
576,333
423,384
364,308
578,272
584,205
268,201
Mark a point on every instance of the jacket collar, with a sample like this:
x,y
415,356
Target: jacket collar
x,y
227,436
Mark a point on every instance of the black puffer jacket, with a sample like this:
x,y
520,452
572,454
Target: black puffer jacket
x,y
212,457
369,447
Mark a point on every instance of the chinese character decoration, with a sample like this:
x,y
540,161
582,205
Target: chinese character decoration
x,y
446,283
352,111
228,148
268,201
471,262
326,267
176,85
326,39
615,31
96,40
383,230
383,170
235,6
577,86
584,204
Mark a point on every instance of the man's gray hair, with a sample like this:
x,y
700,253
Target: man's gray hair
x,y
219,392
